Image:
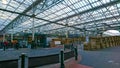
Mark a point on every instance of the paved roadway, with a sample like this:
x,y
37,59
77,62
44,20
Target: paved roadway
x,y
104,58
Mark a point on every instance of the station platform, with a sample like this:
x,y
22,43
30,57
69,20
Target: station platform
x,y
11,54
103,58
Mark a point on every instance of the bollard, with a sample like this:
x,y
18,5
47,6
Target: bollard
x,y
61,58
76,53
23,62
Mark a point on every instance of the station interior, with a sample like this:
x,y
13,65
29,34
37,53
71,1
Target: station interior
x,y
59,33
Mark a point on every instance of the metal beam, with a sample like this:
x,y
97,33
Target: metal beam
x,y
23,13
109,18
55,22
111,27
34,17
92,9
26,16
107,28
86,11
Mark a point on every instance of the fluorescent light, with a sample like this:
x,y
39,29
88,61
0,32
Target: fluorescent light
x,y
4,1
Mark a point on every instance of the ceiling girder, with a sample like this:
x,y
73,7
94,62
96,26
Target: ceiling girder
x,y
92,9
20,14
25,11
55,22
80,13
109,18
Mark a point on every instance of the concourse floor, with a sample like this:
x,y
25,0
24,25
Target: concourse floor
x,y
104,58
11,54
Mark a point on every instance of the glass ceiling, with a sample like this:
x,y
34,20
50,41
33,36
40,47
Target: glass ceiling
x,y
12,5
51,16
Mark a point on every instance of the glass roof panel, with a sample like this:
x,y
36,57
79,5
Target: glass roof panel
x,y
76,11
13,6
64,9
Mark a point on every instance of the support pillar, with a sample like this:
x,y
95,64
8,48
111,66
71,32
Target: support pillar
x,y
33,30
67,34
3,37
11,37
4,48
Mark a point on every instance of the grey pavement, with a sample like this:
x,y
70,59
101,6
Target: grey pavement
x,y
10,54
104,58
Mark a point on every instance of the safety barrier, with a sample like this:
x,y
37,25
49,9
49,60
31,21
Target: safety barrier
x,y
29,62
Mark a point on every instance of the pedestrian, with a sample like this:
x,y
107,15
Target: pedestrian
x,y
5,45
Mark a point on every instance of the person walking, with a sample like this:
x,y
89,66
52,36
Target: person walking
x,y
5,45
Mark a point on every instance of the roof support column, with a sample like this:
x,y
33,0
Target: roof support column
x,y
3,37
33,22
11,37
87,36
33,29
67,31
12,34
66,34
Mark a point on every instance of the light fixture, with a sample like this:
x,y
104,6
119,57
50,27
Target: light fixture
x,y
4,1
